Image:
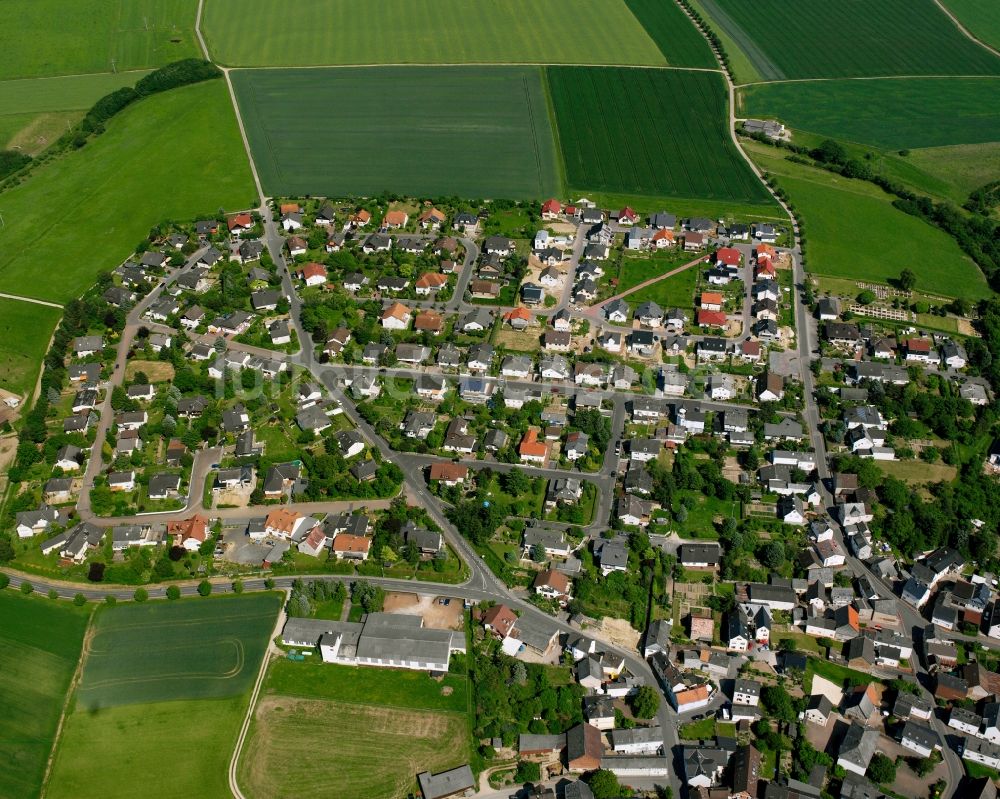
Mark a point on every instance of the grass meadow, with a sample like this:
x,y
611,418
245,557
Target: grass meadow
x,y
853,231
40,644
58,38
674,291
401,723
260,33
895,37
656,132
25,330
163,677
422,131
172,156
980,17
890,114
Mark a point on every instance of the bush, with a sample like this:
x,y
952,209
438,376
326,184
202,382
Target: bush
x,y
269,584
110,600
204,588
237,587
96,572
4,581
79,600
140,595
53,594
528,771
26,588
882,770
173,592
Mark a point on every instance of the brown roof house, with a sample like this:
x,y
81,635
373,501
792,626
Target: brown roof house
x,y
583,748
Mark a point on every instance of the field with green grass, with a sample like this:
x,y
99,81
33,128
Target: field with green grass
x,y
678,39
641,131
401,723
980,17
423,131
40,644
676,290
853,231
175,155
891,113
260,33
25,330
52,37
895,37
158,677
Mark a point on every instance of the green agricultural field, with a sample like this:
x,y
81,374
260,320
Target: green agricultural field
x,y
25,330
171,156
423,131
853,231
891,114
40,644
961,168
400,723
980,17
156,677
678,39
260,33
59,38
820,39
642,131
159,651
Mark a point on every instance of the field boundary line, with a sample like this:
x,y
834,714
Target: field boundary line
x,y
866,77
291,695
469,64
968,34
19,298
70,696
265,661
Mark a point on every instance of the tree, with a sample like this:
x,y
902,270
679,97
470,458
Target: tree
x,y
772,555
645,702
53,594
173,592
79,600
777,702
538,553
907,280
140,595
528,771
830,152
882,770
867,297
4,581
204,588
26,588
269,584
237,587
111,600
603,783
6,549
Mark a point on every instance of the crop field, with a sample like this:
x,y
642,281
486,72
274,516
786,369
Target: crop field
x,y
54,37
423,131
820,39
401,723
678,39
160,651
25,330
980,17
891,114
157,675
853,231
642,131
260,33
172,156
40,644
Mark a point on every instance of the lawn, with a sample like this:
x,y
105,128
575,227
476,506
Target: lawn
x,y
423,131
638,269
657,132
678,39
674,291
981,17
918,472
40,644
330,32
838,211
192,649
176,155
155,675
698,730
833,672
25,330
891,37
60,38
400,723
890,114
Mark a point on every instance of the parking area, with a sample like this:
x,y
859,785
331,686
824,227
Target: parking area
x,y
439,613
